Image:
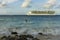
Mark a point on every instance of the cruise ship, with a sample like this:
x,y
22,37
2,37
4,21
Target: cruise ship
x,y
41,13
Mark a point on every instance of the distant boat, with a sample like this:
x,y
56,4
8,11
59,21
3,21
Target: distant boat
x,y
41,12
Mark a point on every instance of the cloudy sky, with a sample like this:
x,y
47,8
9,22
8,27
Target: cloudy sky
x,y
22,7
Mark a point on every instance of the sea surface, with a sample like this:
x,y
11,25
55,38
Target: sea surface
x,y
49,24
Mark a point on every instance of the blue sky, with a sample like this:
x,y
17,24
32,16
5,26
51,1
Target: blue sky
x,y
14,8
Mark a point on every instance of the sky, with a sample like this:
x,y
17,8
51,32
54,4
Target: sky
x,y
22,7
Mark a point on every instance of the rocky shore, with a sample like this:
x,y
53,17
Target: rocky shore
x,y
39,36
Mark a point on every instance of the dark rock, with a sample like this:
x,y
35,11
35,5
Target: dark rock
x,y
22,38
12,38
13,32
16,37
19,37
35,39
26,36
40,33
29,36
3,37
9,37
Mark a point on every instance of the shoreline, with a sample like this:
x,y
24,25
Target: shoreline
x,y
43,36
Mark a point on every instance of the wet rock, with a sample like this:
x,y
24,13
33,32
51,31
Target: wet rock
x,y
4,38
12,37
21,38
40,33
26,36
9,37
14,33
17,37
29,36
35,39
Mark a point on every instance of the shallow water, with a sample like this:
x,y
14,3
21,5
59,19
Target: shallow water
x,y
31,24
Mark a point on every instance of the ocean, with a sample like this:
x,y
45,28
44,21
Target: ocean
x,y
48,24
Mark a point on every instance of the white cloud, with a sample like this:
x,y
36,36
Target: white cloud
x,y
25,3
4,2
50,3
8,1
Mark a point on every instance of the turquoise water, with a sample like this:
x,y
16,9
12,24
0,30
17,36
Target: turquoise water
x,y
24,22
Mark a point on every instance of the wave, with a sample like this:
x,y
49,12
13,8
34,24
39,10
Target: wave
x,y
32,31
2,19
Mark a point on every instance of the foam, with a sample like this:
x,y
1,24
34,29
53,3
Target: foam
x,y
5,31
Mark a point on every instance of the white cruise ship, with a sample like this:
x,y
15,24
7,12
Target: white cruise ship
x,y
41,13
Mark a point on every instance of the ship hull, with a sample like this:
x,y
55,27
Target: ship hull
x,y
41,13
